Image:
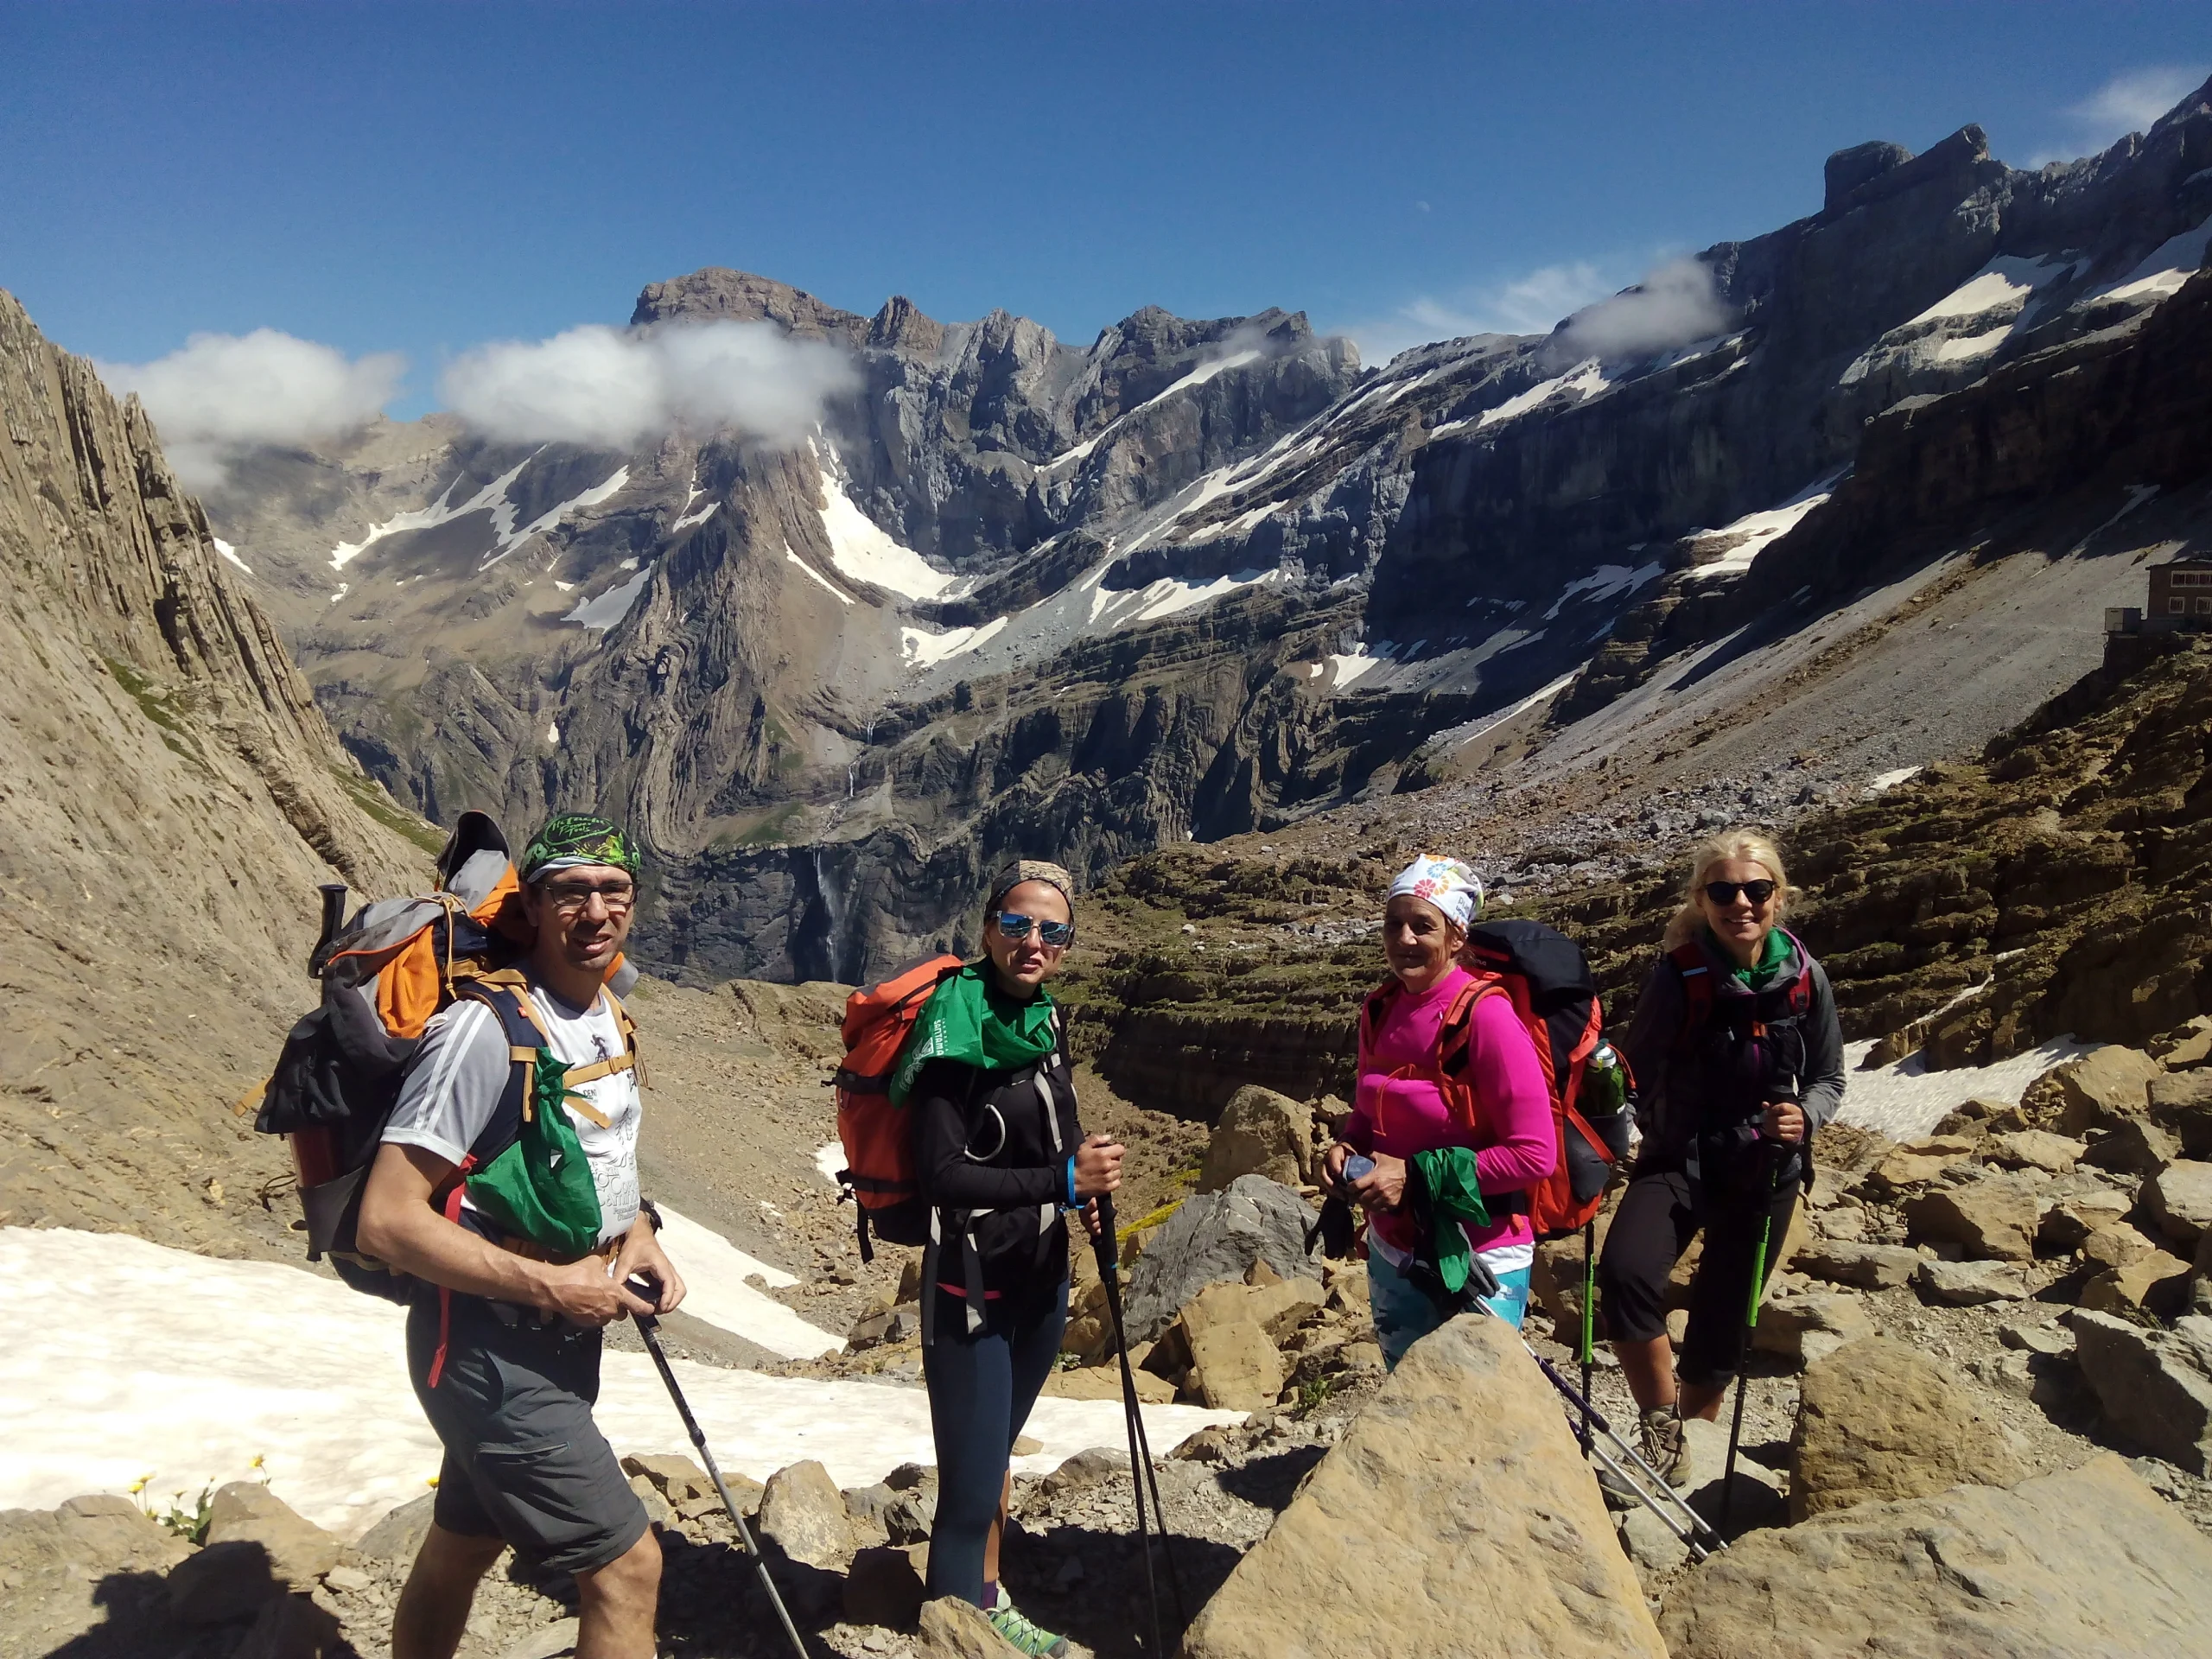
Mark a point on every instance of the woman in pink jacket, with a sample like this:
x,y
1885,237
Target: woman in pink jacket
x,y
1451,1104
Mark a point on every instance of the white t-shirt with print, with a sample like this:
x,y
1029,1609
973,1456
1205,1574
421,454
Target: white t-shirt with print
x,y
453,1084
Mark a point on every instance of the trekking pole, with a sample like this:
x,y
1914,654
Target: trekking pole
x,y
1777,1153
1482,1285
1589,1321
1105,1245
648,1328
1630,1465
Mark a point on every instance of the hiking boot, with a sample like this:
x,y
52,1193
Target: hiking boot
x,y
1662,1443
1007,1619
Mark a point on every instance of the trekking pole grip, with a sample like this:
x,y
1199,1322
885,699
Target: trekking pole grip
x,y
1105,1245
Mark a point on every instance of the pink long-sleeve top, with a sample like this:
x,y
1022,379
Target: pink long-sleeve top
x,y
1513,1137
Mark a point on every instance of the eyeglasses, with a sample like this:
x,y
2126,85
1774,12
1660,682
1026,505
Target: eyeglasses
x,y
569,897
1724,893
1014,927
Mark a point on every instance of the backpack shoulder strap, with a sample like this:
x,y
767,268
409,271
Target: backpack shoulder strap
x,y
1374,1006
1455,1033
1696,975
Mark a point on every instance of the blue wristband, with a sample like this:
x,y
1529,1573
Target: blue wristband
x,y
1071,1198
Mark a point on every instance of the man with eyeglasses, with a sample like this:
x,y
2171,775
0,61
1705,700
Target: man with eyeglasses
x,y
503,1342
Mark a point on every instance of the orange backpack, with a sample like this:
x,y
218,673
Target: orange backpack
x,y
878,1134
1545,977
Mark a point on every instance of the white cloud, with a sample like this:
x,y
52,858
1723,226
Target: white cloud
x,y
611,387
1528,304
225,393
1675,304
2130,102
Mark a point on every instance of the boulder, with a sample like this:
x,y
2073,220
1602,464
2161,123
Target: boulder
x,y
2101,1090
1913,1163
2138,1147
1235,1366
1868,1267
1456,1509
2179,1198
1215,1237
2034,1149
2183,1046
1759,1496
953,1629
883,1586
400,1534
258,1547
1260,1133
1969,1284
1810,1326
2182,1104
802,1513
1877,1420
293,1627
2071,1220
1995,1219
2082,1565
2155,1386
88,1566
2116,1246
2152,1281
1104,1383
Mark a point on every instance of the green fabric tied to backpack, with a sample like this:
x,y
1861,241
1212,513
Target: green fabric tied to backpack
x,y
1448,1196
540,1188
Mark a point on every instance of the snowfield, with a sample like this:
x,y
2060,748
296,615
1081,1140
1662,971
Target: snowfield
x,y
134,1361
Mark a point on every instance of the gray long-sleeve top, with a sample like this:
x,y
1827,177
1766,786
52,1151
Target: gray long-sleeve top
x,y
1669,1107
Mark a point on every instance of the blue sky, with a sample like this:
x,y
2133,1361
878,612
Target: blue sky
x,y
419,180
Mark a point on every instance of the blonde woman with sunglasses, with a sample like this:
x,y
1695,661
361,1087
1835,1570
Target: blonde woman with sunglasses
x,y
1738,1058
1000,1159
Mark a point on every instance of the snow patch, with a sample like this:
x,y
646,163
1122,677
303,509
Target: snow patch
x,y
2005,280
1905,1100
925,649
1346,667
1747,537
231,554
698,517
553,733
861,550
1606,580
344,588
611,605
1196,376
1883,782
1542,693
2162,271
440,511
816,577
829,1159
196,1366
1584,380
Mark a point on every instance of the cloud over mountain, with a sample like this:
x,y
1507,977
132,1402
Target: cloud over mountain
x,y
224,393
1673,305
613,387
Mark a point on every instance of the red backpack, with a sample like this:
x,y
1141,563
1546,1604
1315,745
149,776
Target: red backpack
x,y
878,1135
1544,975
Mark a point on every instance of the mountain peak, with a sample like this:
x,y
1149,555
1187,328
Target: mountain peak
x,y
719,293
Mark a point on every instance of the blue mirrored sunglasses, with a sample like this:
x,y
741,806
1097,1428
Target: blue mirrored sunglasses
x,y
1015,927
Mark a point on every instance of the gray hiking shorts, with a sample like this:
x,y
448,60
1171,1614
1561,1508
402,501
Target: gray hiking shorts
x,y
524,1461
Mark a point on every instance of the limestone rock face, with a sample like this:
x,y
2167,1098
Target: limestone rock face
x,y
257,1548
2152,1280
1867,1267
1212,1237
1876,1422
1260,1133
1456,1516
2099,1091
953,1629
2155,1386
2082,1565
1969,1284
1810,1326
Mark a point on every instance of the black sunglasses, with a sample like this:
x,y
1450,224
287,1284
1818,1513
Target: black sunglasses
x,y
1014,927
1724,893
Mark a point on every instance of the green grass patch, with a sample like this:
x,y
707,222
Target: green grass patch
x,y
376,805
779,825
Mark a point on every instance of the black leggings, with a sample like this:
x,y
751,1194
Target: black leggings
x,y
981,1388
1652,1228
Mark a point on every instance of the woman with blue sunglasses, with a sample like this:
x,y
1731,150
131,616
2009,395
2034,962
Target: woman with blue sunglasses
x,y
1737,1058
1000,1158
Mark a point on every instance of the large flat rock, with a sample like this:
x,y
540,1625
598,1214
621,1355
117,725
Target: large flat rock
x,y
1455,1519
2089,1564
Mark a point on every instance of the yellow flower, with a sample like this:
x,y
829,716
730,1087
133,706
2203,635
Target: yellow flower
x,y
139,1485
256,1464
432,1481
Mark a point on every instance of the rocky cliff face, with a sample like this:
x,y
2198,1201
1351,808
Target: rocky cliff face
x,y
172,797
1210,576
